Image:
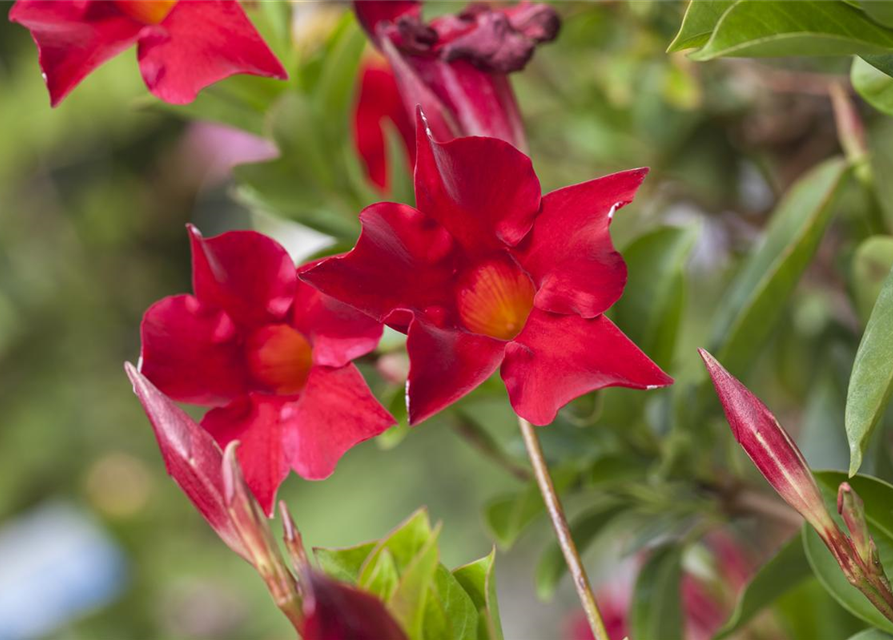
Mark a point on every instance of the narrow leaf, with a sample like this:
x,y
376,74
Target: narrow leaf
x,y
479,581
656,612
872,84
698,24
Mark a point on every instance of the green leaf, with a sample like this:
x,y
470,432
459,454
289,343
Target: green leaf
x,y
883,62
785,570
871,634
651,310
872,84
404,543
872,263
830,575
758,295
871,381
774,28
585,528
700,19
409,598
479,581
450,611
344,564
656,612
338,77
881,11
380,578
875,493
508,516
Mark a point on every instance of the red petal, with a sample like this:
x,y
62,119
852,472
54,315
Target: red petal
x,y
245,273
769,446
199,43
256,421
335,412
73,38
403,260
338,333
482,190
337,611
557,358
378,105
569,253
192,352
371,12
445,365
191,457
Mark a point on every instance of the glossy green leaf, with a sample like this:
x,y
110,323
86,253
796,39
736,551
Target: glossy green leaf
x,y
380,577
585,528
871,634
338,77
784,571
700,19
875,493
508,516
404,543
773,28
343,564
881,11
872,263
882,62
409,598
871,381
656,612
479,581
450,612
758,295
651,309
872,84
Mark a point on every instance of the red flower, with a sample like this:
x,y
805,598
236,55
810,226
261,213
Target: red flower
x,y
182,46
379,105
486,272
455,67
272,355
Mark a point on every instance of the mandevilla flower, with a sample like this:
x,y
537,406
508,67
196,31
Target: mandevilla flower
x,y
456,66
270,354
182,45
487,272
379,105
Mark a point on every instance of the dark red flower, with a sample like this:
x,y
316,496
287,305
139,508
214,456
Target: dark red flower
x,y
486,272
379,105
270,354
182,45
456,66
338,611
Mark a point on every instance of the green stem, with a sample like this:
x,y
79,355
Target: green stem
x,y
562,531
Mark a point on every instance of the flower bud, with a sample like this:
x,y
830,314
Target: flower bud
x,y
852,509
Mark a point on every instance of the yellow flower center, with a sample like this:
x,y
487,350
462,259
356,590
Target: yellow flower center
x,y
494,298
279,357
146,11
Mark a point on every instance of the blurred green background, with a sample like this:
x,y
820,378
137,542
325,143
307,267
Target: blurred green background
x,y
94,197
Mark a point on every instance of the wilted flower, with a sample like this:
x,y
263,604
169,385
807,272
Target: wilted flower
x,y
271,354
456,66
487,272
182,45
379,106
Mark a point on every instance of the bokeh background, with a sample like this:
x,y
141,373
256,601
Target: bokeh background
x,y
97,543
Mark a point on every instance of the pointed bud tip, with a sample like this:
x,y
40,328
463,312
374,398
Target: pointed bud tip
x,y
232,472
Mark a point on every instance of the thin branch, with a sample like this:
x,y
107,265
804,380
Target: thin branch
x,y
489,448
562,531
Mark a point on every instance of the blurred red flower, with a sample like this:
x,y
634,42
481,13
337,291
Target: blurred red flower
x,y
456,66
487,272
270,354
182,45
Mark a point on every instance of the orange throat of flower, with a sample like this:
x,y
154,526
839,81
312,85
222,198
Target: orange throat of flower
x,y
279,358
146,11
494,298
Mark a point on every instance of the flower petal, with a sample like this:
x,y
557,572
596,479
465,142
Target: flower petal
x,y
557,358
335,412
191,457
378,105
245,273
402,260
199,43
192,352
569,253
338,611
256,421
445,365
73,38
338,333
482,190
372,12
